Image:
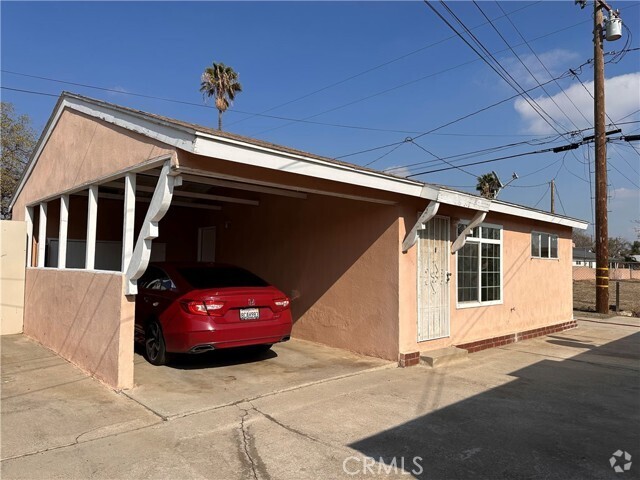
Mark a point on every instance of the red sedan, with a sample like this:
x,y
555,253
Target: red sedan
x,y
199,307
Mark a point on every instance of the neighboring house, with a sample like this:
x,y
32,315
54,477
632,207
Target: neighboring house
x,y
376,264
584,257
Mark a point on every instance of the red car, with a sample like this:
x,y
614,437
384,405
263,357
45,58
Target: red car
x,y
199,307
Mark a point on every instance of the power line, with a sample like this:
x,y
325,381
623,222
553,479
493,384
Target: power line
x,y
377,67
543,195
526,68
543,66
418,80
502,73
442,159
560,199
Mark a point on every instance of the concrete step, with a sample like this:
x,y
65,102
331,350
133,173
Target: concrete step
x,y
443,357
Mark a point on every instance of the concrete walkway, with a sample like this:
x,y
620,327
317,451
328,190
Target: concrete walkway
x,y
553,407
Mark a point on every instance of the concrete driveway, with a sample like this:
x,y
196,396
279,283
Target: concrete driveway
x,y
196,383
553,407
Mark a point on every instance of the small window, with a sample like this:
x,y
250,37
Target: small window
x,y
544,245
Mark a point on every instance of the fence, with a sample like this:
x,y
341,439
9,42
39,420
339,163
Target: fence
x,y
617,271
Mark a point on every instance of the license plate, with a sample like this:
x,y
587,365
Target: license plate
x,y
249,313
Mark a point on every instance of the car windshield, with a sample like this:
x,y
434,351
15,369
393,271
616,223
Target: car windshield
x,y
220,277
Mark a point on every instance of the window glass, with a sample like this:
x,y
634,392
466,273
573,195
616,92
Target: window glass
x,y
156,279
473,233
554,246
491,233
479,275
544,245
220,277
535,244
468,273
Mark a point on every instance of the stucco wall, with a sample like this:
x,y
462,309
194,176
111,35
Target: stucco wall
x,y
13,239
84,317
536,292
80,150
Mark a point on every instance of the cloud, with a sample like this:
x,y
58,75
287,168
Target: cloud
x,y
625,194
398,171
622,94
554,60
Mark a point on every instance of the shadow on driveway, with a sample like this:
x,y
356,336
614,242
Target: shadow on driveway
x,y
558,419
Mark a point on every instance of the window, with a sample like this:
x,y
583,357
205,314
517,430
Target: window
x,y
479,266
544,245
220,277
156,279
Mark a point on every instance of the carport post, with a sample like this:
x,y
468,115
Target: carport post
x,y
128,219
42,233
92,215
62,234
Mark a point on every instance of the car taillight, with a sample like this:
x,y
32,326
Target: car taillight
x,y
208,307
281,303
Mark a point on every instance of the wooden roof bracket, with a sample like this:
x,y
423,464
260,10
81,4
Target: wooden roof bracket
x,y
412,236
477,219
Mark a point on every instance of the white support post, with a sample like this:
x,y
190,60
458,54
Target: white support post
x,y
42,234
29,220
92,217
62,234
427,215
160,203
477,219
128,219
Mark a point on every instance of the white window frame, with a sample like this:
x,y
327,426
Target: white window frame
x,y
540,257
480,241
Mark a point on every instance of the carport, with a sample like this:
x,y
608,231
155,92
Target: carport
x,y
109,189
137,187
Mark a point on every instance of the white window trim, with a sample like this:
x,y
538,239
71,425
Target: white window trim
x,y
557,258
480,303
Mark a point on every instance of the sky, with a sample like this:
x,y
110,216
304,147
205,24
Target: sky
x,y
338,78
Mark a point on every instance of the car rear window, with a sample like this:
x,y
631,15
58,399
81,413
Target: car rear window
x,y
220,277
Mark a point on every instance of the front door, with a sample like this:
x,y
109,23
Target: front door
x,y
433,279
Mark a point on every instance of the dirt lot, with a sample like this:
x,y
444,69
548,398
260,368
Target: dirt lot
x,y
584,295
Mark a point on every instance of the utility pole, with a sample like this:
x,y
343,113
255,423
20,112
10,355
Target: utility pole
x,y
611,29
602,230
553,196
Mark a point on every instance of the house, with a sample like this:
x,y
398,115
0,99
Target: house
x,y
584,257
376,264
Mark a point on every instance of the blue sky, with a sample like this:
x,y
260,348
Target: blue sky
x,y
287,50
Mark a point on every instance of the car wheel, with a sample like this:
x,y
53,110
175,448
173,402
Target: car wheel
x,y
155,347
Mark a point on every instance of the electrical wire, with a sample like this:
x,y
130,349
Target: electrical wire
x,y
377,67
543,66
564,212
497,68
543,195
535,79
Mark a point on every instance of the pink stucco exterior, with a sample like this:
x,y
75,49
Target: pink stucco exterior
x,y
80,150
85,318
338,258
536,292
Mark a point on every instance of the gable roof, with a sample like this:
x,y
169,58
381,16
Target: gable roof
x,y
206,141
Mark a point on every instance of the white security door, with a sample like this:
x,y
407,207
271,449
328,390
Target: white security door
x,y
433,279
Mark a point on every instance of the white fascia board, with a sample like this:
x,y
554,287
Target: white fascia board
x,y
473,202
524,212
164,132
464,200
259,156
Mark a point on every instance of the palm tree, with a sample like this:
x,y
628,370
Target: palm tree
x,y
488,185
221,82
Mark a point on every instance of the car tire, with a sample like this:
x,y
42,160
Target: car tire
x,y
154,346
